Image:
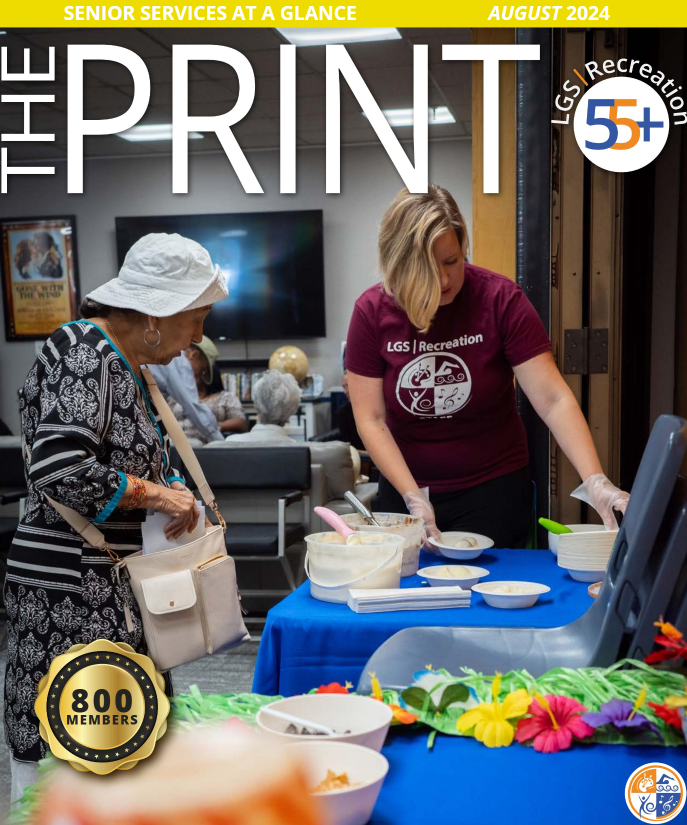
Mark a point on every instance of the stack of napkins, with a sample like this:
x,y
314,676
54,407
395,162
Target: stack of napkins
x,y
407,598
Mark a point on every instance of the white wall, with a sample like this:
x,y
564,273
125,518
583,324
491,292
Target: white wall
x,y
138,186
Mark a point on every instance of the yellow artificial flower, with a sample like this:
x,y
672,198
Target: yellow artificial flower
x,y
490,719
376,687
667,629
677,701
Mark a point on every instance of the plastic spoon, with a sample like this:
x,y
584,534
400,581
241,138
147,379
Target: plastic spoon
x,y
334,520
296,720
554,527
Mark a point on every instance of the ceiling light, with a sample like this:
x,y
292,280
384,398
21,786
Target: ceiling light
x,y
153,131
404,117
327,37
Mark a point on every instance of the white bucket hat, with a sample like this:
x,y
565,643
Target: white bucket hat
x,y
162,275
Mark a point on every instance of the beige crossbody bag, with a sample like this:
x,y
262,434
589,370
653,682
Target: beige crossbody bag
x,y
187,596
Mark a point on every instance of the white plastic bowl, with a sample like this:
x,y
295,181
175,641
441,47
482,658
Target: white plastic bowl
x,y
510,600
587,575
366,771
576,528
367,719
437,577
446,546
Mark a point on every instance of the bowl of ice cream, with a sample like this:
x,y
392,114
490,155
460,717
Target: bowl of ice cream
x,y
510,594
346,779
463,546
447,575
358,720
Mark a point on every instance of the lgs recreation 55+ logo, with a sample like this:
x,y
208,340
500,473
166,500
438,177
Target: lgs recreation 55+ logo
x,y
621,123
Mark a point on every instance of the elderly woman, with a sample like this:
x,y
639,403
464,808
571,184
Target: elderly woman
x,y
276,396
225,406
92,441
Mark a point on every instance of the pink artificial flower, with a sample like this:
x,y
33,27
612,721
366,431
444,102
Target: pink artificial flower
x,y
553,723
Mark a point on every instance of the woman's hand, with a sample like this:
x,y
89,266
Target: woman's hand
x,y
418,505
604,497
176,502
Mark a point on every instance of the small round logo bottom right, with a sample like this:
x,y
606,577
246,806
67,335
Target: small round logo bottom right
x,y
655,793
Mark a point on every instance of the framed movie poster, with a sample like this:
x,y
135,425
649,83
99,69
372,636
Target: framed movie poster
x,y
40,285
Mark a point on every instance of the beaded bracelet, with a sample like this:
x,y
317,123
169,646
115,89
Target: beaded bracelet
x,y
138,494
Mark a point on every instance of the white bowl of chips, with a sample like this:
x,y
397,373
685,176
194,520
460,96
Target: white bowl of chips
x,y
510,594
457,544
358,720
346,779
458,575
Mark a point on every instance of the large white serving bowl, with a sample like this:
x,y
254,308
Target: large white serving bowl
x,y
366,771
368,720
510,600
576,528
446,545
448,575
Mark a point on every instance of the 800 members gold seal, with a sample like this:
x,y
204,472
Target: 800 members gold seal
x,y
102,707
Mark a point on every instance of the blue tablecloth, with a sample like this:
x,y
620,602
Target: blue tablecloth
x,y
461,780
307,643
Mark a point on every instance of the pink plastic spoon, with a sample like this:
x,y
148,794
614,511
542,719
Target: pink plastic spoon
x,y
334,520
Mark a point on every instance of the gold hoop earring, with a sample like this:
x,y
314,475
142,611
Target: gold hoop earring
x,y
147,342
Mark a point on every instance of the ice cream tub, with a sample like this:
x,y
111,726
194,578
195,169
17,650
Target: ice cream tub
x,y
401,524
364,560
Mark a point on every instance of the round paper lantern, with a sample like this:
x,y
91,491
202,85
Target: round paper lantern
x,y
290,359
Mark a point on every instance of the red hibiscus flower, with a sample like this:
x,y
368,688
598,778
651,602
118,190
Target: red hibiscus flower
x,y
671,716
552,724
334,687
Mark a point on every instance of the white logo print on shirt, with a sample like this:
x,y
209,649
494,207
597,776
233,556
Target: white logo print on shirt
x,y
434,385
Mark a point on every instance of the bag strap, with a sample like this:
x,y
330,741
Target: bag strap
x,y
180,441
89,532
86,529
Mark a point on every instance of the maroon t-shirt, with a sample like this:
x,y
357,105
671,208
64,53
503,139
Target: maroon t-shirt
x,y
449,394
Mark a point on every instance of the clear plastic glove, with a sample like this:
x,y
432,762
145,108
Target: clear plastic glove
x,y
599,492
418,504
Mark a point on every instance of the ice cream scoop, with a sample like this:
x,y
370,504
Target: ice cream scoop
x,y
334,520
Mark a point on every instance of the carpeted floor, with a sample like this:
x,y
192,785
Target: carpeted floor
x,y
214,674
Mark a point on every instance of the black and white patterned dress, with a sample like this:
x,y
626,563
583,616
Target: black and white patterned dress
x,y
86,421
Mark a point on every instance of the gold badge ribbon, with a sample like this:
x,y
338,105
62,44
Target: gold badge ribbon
x,y
102,707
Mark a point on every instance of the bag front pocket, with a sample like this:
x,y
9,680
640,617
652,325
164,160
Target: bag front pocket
x,y
175,630
220,607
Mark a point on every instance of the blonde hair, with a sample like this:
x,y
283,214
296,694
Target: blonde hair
x,y
409,229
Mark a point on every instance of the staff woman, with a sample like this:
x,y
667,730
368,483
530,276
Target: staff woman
x,y
93,441
431,354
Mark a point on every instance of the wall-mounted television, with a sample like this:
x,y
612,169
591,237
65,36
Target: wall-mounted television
x,y
273,262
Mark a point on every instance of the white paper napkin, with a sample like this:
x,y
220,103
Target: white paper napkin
x,y
416,598
153,532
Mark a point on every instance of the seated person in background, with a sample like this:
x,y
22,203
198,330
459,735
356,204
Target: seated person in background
x,y
276,396
178,384
225,406
345,419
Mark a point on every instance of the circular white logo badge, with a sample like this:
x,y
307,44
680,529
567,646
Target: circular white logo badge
x,y
655,793
621,124
432,385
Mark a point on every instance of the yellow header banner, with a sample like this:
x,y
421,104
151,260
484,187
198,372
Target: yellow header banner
x,y
370,13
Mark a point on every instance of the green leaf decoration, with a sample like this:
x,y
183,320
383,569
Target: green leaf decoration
x,y
452,694
419,699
